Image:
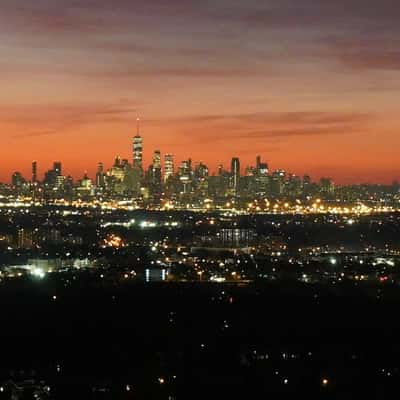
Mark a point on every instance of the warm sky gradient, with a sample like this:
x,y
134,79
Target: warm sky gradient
x,y
311,85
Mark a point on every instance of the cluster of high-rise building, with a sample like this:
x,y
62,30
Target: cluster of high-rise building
x,y
163,180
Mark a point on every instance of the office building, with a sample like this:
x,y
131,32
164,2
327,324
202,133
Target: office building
x,y
168,167
235,173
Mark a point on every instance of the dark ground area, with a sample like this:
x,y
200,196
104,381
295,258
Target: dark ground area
x,y
277,340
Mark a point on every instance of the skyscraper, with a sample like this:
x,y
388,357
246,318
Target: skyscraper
x,y
262,178
156,171
53,178
168,166
200,172
138,150
17,179
117,171
157,159
34,171
185,175
261,167
235,173
57,168
100,179
117,161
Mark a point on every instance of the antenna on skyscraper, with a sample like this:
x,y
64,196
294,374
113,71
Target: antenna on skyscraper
x,y
137,125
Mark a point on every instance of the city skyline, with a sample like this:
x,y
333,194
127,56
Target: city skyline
x,y
38,169
167,162
293,81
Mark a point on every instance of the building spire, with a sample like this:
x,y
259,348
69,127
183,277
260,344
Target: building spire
x,y
137,126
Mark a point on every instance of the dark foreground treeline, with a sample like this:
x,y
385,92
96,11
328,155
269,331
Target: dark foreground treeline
x,y
174,341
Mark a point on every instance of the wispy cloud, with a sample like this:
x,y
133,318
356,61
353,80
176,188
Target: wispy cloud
x,y
376,52
34,134
271,126
268,117
58,119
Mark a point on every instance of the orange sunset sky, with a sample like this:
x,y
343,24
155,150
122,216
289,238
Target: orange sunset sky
x,y
312,85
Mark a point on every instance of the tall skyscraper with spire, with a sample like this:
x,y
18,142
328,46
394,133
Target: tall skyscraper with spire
x,y
138,149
